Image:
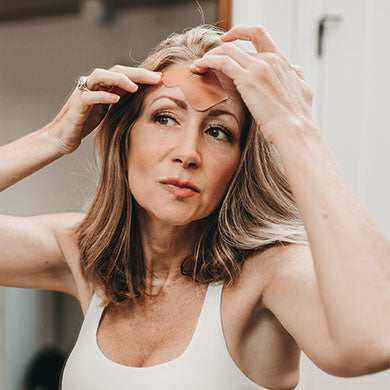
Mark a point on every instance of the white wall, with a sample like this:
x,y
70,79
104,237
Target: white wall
x,y
2,341
39,63
351,84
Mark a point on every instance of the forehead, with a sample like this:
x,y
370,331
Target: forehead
x,y
232,104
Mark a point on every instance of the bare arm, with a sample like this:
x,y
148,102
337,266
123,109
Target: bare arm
x,y
80,115
31,255
335,298
26,155
32,248
350,253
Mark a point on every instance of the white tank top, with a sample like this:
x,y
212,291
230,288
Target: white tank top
x,y
205,364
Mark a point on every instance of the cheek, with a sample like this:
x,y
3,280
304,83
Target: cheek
x,y
224,169
140,159
144,147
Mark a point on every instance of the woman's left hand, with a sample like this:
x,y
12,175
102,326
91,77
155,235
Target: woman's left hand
x,y
275,92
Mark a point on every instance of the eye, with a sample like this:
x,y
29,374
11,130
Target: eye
x,y
219,132
164,119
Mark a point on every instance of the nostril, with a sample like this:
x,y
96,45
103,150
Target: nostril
x,y
187,161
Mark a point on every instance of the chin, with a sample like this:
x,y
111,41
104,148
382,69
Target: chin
x,y
177,214
175,219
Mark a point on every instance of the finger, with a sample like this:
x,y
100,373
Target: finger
x,y
138,75
299,72
117,91
98,97
105,78
243,58
221,63
258,35
275,60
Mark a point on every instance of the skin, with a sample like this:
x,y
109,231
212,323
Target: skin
x,y
291,294
171,139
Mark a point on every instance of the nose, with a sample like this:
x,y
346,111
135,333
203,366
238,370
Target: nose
x,y
187,151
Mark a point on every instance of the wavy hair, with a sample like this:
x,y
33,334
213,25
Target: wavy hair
x,y
258,210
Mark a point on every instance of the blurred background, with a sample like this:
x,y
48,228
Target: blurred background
x,y
46,44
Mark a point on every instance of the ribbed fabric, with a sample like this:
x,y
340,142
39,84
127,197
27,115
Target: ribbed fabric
x,y
205,364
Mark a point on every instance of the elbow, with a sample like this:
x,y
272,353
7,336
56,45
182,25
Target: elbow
x,y
364,361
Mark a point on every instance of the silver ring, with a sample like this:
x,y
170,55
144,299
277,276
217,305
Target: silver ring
x,y
82,83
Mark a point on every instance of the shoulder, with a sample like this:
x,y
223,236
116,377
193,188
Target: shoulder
x,y
268,267
64,227
63,222
281,257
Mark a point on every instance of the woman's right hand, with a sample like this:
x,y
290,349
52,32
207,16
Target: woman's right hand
x,y
85,109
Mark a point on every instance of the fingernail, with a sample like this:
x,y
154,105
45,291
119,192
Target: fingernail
x,y
194,67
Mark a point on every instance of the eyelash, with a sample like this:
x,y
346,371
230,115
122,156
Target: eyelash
x,y
164,114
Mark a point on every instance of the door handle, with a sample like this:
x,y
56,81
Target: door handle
x,y
322,24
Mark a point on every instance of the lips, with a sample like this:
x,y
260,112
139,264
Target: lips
x,y
180,184
180,189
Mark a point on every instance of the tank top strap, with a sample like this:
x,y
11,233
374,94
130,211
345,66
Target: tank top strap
x,y
208,331
91,319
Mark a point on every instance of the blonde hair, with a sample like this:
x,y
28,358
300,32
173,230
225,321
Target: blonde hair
x,y
258,210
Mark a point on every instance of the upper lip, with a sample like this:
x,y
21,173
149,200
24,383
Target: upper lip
x,y
179,183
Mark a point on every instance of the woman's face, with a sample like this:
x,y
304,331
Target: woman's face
x,y
174,145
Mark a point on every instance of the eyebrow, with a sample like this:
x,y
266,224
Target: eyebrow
x,y
178,102
213,113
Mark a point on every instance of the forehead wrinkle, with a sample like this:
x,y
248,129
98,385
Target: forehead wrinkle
x,y
179,102
232,106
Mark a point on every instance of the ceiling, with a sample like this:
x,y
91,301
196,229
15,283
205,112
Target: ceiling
x,y
14,10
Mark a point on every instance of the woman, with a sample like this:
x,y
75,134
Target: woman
x,y
192,265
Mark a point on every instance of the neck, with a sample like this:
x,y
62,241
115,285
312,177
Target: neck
x,y
164,248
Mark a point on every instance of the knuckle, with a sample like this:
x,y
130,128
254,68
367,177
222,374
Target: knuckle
x,y
85,97
224,48
272,58
115,68
98,72
229,47
214,50
235,29
261,69
225,60
259,29
142,71
123,78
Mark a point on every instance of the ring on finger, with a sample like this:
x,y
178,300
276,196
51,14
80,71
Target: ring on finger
x,y
82,83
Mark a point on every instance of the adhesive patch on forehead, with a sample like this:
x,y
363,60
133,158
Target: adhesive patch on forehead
x,y
202,90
